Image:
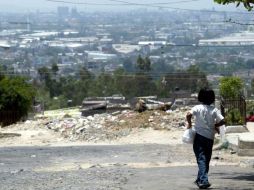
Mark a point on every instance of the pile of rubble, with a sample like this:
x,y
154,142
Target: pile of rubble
x,y
91,128
107,127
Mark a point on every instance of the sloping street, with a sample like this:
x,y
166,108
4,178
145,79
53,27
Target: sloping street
x,y
132,167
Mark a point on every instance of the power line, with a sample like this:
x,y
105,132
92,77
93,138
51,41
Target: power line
x,y
208,46
17,23
155,5
175,8
202,25
120,4
151,74
172,2
37,23
85,22
131,74
239,23
180,77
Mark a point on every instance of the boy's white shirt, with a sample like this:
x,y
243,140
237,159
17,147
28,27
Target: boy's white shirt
x,y
206,116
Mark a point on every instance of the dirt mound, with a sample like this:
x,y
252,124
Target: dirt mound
x,y
119,127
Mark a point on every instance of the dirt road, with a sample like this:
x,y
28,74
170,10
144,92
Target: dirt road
x,y
118,167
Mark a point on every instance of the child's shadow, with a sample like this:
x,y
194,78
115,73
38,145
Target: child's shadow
x,y
218,188
195,188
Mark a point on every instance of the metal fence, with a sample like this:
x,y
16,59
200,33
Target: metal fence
x,y
234,110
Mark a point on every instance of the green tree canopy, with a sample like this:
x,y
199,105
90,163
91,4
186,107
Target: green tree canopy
x,y
143,64
248,4
231,87
54,68
16,95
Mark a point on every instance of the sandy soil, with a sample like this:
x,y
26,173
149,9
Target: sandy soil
x,y
35,132
40,136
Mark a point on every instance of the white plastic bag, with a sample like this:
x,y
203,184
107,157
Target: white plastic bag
x,y
188,136
222,133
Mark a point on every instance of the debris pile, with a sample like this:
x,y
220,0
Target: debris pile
x,y
107,127
91,128
91,123
99,105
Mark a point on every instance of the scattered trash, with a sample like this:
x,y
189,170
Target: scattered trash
x,y
220,146
106,126
218,158
140,106
17,171
96,166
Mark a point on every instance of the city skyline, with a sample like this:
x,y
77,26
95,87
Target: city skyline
x,y
110,5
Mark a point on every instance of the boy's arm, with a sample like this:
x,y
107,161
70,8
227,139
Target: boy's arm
x,y
217,125
188,118
222,122
220,118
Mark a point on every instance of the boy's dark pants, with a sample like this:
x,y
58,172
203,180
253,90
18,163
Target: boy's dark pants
x,y
202,147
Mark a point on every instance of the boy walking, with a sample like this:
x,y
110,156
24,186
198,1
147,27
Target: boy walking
x,y
208,119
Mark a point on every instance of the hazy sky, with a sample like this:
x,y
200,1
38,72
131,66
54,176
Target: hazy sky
x,y
44,5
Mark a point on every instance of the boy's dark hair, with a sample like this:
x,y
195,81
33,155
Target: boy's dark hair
x,y
206,96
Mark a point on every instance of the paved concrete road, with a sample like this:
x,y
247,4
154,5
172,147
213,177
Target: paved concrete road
x,y
126,167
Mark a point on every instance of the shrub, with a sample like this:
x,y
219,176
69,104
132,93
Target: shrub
x,y
16,96
233,117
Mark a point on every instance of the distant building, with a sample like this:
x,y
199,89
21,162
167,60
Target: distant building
x,y
152,43
62,12
5,44
96,60
148,46
74,13
237,39
6,33
161,36
40,35
70,45
125,48
99,56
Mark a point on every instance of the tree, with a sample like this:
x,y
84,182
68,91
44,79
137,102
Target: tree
x,y
123,83
143,84
84,74
128,65
102,86
162,66
54,68
140,63
191,80
144,64
50,81
147,64
252,86
231,87
197,78
248,4
44,74
16,95
250,64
